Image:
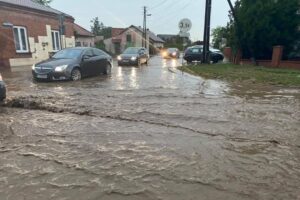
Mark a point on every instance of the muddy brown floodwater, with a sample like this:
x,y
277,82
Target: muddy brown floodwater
x,y
148,133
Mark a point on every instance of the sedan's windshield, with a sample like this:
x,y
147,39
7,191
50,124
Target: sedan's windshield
x,y
131,51
68,53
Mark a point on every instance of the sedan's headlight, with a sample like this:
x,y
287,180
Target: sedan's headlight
x,y
61,68
133,58
33,67
119,58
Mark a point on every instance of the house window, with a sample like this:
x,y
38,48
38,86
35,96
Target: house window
x,y
21,40
129,38
78,44
55,40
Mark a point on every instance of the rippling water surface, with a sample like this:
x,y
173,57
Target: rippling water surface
x,y
148,133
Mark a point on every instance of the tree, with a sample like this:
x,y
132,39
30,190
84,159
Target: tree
x,y
218,36
43,2
262,24
99,29
96,26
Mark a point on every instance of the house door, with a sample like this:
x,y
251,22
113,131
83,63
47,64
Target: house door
x,y
117,48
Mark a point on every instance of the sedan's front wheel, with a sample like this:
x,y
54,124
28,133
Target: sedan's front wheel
x,y
76,75
107,69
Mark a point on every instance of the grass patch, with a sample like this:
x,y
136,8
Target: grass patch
x,y
246,73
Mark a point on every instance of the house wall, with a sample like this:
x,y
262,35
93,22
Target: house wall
x,y
109,46
136,36
158,45
85,41
39,26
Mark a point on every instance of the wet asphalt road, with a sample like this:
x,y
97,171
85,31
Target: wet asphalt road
x,y
148,133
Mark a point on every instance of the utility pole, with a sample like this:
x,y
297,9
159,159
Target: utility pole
x,y
145,28
206,37
144,42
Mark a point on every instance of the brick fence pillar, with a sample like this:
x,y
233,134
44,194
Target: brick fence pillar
x,y
227,54
277,56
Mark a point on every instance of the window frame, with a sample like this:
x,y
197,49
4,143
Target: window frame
x,y
20,39
129,38
100,52
54,47
87,51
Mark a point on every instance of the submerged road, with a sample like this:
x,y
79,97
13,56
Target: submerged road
x,y
148,133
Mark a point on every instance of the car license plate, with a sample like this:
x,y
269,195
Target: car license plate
x,y
125,61
42,76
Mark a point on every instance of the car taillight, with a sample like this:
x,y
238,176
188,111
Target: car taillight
x,y
1,78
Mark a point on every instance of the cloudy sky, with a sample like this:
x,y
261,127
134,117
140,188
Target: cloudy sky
x,y
165,13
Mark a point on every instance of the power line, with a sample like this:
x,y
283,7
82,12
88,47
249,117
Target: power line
x,y
167,7
159,4
163,20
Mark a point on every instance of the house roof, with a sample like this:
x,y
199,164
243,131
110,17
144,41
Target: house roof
x,y
82,31
116,31
152,36
166,35
33,5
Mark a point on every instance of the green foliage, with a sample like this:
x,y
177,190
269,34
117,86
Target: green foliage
x,y
99,29
220,35
177,42
43,2
246,74
262,24
101,45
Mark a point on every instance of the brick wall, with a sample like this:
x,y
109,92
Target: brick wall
x,y
276,61
35,23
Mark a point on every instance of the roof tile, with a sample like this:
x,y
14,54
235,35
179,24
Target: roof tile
x,y
33,5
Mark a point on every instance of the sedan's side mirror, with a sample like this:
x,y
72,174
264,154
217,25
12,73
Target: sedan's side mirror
x,y
85,57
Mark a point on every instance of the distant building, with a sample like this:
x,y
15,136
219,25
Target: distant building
x,y
83,37
131,37
31,31
168,38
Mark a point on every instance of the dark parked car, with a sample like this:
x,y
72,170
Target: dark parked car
x,y
134,56
171,53
194,53
73,64
2,89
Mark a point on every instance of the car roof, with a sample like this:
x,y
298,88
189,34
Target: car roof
x,y
172,48
80,48
135,48
201,46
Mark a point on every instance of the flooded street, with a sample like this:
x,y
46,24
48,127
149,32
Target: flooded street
x,y
149,133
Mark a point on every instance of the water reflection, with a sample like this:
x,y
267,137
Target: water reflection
x,y
133,78
120,79
174,63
